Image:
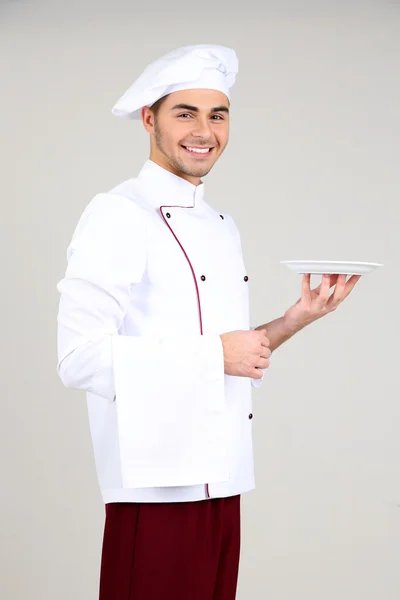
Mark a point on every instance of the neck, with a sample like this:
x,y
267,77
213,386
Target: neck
x,y
163,162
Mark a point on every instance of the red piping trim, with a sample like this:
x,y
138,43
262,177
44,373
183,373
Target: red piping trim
x,y
188,259
194,278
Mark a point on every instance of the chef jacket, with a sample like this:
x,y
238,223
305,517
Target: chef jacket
x,y
154,276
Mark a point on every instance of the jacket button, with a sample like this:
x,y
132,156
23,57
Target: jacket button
x,y
203,277
222,216
246,278
168,215
250,416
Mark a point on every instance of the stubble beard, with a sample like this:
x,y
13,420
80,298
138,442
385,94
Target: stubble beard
x,y
177,164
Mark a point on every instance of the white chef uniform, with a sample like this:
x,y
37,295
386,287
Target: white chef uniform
x,y
154,276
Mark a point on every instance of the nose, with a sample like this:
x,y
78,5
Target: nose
x,y
202,128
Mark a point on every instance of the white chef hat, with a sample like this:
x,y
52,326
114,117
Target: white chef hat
x,y
191,67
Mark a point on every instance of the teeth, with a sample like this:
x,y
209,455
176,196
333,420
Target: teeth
x,y
198,150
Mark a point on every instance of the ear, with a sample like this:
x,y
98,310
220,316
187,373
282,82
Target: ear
x,y
147,119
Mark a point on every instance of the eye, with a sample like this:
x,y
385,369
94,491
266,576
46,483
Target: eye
x,y
184,115
218,117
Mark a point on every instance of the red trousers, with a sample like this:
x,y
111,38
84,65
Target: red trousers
x,y
177,551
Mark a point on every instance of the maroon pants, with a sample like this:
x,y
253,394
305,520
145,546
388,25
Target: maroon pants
x,y
177,551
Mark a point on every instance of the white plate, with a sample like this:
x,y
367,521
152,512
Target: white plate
x,y
330,267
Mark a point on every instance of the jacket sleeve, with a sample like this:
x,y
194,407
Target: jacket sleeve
x,y
105,260
106,257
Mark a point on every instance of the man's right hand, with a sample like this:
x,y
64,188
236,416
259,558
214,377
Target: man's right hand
x,y
245,353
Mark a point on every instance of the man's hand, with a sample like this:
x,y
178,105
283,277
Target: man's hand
x,y
245,353
319,302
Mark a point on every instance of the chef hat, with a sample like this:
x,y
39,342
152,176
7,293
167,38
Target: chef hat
x,y
190,67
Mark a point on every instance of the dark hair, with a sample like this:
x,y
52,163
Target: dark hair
x,y
156,106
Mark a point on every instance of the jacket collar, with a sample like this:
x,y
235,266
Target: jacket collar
x,y
163,188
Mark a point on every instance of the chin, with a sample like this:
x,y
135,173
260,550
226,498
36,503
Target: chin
x,y
198,171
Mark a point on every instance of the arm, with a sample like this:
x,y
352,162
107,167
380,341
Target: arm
x,y
106,260
311,306
278,332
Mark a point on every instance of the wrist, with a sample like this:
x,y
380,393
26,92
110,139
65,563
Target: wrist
x,y
293,325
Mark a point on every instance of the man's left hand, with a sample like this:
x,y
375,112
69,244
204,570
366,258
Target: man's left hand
x,y
318,302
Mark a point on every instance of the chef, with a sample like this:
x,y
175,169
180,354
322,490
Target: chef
x,y
153,325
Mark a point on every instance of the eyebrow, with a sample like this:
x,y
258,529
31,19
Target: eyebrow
x,y
221,108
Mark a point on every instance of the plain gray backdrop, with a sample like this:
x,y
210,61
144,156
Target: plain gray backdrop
x,y
311,171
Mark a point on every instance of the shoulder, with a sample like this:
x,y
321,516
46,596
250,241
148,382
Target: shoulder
x,y
110,223
114,205
115,210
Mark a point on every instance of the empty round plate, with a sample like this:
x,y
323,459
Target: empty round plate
x,y
330,267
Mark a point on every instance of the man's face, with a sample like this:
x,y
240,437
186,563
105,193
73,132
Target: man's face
x,y
189,132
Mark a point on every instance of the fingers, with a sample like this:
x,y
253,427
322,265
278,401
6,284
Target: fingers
x,y
256,374
324,290
340,281
342,290
333,280
350,285
263,363
338,294
264,341
305,286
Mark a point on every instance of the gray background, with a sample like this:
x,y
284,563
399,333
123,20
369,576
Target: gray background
x,y
311,171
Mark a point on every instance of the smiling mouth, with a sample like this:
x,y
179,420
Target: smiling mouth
x,y
198,152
